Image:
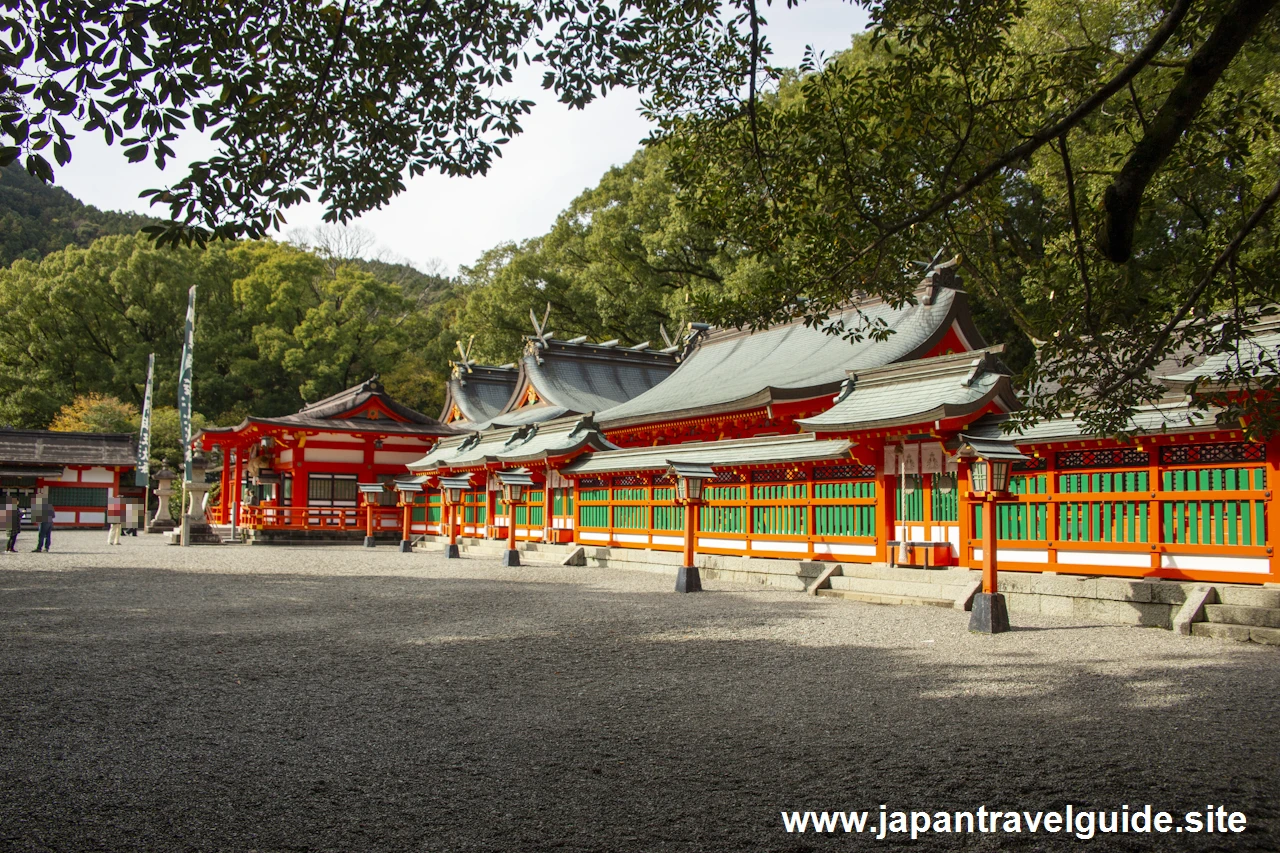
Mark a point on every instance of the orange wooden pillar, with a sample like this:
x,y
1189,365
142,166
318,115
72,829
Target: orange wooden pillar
x,y
989,579
887,512
1272,494
964,511
688,578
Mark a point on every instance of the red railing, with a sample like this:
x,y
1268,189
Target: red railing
x,y
385,518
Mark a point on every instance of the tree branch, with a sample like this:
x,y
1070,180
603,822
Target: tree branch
x,y
1046,134
1144,363
1122,201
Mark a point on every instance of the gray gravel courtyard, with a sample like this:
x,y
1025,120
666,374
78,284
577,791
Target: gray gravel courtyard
x,y
269,699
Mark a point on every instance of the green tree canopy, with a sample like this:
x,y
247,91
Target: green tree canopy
x,y
274,328
1106,170
335,101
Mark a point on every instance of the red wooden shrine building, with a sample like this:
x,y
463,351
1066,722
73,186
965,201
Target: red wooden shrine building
x,y
301,473
829,449
824,447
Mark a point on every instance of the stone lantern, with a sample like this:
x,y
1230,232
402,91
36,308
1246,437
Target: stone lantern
x,y
161,522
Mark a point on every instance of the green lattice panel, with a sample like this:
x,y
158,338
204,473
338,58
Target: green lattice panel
x,y
1028,484
667,517
911,498
1108,481
1020,522
722,519
725,493
562,502
946,498
77,496
593,515
1103,521
844,520
780,520
631,517
844,491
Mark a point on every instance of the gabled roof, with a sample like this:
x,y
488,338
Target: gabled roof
x,y
357,409
734,370
920,391
558,378
516,445
478,392
1174,415
47,449
730,453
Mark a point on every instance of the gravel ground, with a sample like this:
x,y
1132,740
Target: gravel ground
x,y
270,699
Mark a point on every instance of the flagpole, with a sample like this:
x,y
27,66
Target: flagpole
x,y
142,471
184,410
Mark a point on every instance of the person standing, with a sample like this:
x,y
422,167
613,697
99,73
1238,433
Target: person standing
x,y
42,512
12,524
115,520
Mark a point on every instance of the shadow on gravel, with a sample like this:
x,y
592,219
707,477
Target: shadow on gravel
x,y
146,710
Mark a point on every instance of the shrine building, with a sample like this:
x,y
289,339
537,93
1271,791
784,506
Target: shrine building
x,y
837,447
297,477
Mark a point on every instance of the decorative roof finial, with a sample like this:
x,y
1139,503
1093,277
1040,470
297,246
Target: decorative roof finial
x,y
540,328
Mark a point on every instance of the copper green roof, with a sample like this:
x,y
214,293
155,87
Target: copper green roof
x,y
1175,415
736,370
918,392
515,445
576,377
479,391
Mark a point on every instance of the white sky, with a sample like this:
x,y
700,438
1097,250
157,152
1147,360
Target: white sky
x,y
561,153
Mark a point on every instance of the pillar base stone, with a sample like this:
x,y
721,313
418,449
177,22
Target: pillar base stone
x,y
369,541
451,552
406,547
511,558
688,579
990,616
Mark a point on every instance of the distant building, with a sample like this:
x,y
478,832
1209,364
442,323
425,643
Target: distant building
x,y
81,470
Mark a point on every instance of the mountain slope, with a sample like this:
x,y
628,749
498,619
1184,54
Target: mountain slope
x,y
37,219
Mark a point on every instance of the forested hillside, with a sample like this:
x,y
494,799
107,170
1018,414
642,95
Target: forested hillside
x,y
36,219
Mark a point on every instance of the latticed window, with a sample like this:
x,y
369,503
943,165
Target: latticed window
x,y
1209,454
77,496
332,490
1103,457
945,498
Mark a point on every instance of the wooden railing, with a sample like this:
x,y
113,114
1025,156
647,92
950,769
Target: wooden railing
x,y
811,514
1149,520
385,518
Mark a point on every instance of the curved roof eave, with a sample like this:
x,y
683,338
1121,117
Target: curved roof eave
x,y
953,315
1003,387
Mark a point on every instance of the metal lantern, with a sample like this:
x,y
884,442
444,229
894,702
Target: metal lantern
x,y
514,484
371,491
1000,470
978,475
407,489
453,487
991,463
690,478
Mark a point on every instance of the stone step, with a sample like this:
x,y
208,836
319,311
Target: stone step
x,y
883,571
910,589
1240,633
882,598
1249,596
1235,614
